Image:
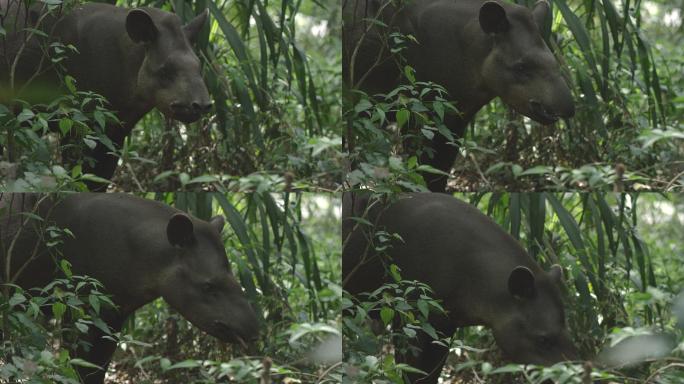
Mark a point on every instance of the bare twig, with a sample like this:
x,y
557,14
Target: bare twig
x,y
328,370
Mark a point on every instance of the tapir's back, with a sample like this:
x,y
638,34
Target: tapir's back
x,y
109,226
105,228
446,243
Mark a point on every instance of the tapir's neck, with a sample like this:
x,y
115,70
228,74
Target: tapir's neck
x,y
452,54
132,104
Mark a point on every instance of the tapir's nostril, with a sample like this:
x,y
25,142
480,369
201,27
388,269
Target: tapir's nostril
x,y
202,107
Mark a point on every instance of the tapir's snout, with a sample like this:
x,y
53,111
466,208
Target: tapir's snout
x,y
247,333
239,325
204,107
549,111
192,111
541,112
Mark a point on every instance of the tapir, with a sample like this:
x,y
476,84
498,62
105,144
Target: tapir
x,y
138,59
480,273
139,250
477,50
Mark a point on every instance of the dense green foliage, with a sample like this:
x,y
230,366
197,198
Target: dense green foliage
x,y
272,70
285,252
624,67
622,256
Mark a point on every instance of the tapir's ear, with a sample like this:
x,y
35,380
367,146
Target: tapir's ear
x,y
140,27
542,16
556,273
493,18
180,230
217,222
521,283
195,25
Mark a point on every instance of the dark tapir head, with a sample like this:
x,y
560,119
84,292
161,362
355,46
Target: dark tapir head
x,y
199,283
170,72
520,68
532,328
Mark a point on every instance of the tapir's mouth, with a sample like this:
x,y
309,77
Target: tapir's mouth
x,y
187,113
541,114
186,117
229,334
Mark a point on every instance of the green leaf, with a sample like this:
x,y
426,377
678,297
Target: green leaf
x,y
362,105
83,363
410,74
58,310
538,170
162,176
76,171
203,179
26,114
70,84
430,330
91,177
165,364
82,327
516,170
185,364
17,298
510,368
486,368
407,368
394,271
409,332
386,314
438,106
65,125
423,308
430,169
427,133
102,326
65,265
99,117
402,117
94,302
184,178
320,144
90,143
